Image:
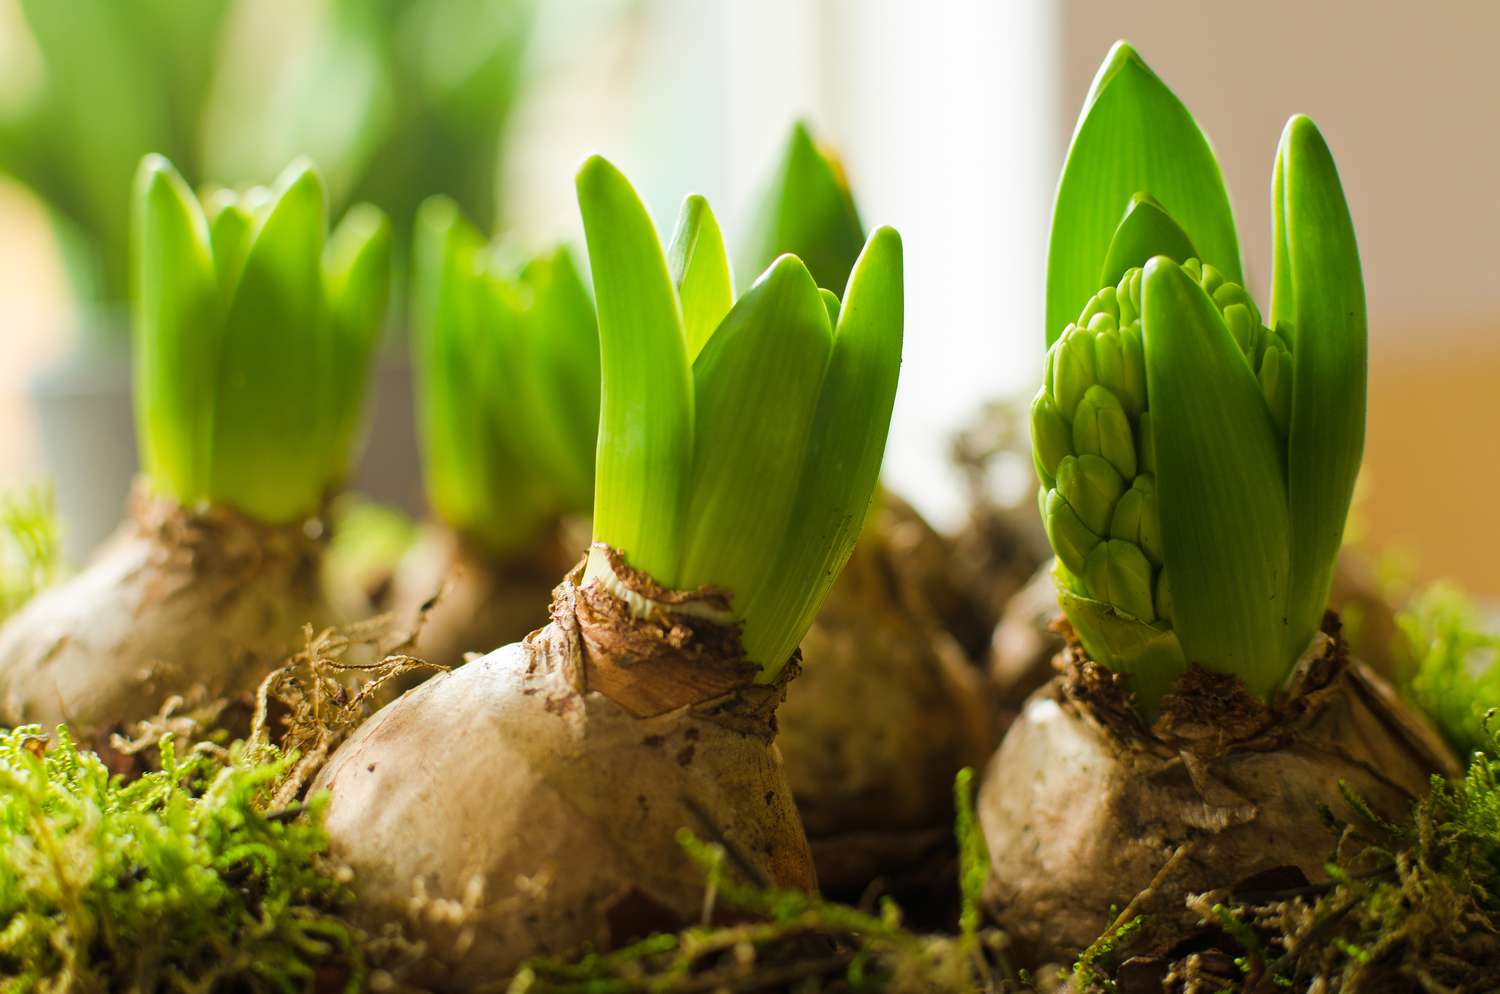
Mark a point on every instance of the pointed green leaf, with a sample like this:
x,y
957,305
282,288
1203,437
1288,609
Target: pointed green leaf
x,y
1220,485
357,280
561,384
843,456
270,434
1134,135
1146,230
445,307
757,383
700,271
512,500
831,301
646,416
176,317
474,427
806,209
1319,304
231,228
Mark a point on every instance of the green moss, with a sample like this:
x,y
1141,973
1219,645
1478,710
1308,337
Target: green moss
x,y
1095,964
181,880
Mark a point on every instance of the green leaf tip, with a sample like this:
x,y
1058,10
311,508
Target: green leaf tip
x,y
1318,306
507,362
805,208
646,418
253,339
1122,55
785,410
700,271
841,466
1196,465
1134,135
1220,484
1146,230
756,389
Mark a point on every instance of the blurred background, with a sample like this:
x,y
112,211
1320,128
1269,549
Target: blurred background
x,y
952,118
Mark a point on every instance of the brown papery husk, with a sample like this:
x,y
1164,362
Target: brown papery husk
x,y
1085,809
510,808
470,600
200,603
887,711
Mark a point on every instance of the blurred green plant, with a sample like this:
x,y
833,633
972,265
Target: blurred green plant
x,y
395,100
1197,466
254,334
30,549
508,383
179,881
1454,670
102,83
366,541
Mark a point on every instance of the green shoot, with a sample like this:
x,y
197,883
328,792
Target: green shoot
x,y
807,209
1318,304
1197,467
700,270
1133,135
751,469
508,384
253,339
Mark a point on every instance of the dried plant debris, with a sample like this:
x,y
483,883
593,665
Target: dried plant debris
x,y
1412,907
317,698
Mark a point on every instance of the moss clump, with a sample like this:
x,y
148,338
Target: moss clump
x,y
182,880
